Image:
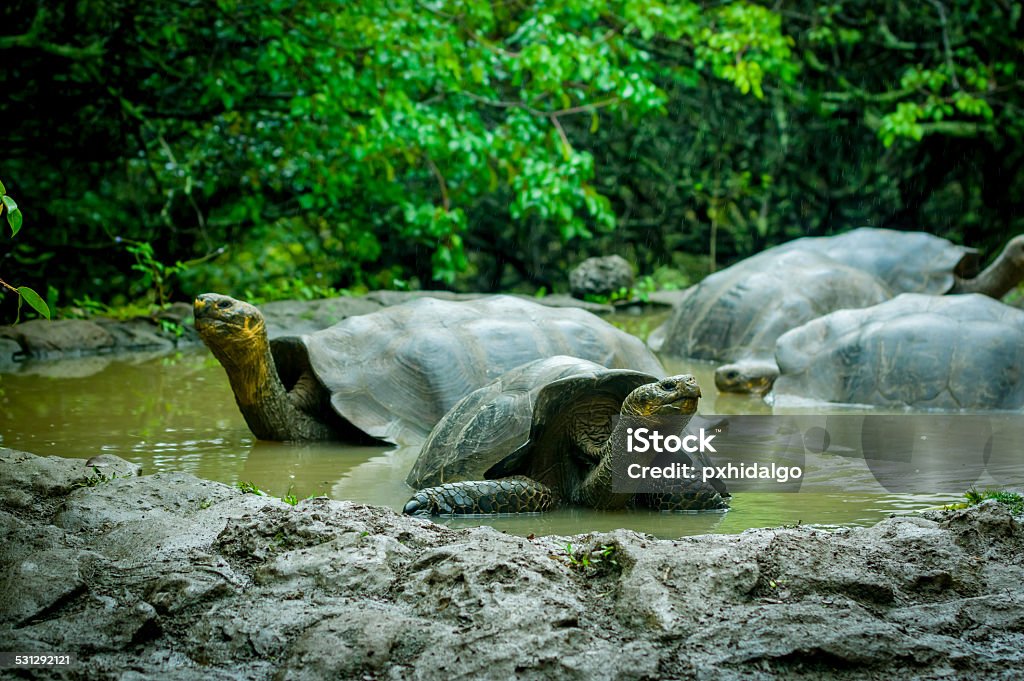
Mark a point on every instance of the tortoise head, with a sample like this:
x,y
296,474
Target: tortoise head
x,y
225,323
673,396
751,377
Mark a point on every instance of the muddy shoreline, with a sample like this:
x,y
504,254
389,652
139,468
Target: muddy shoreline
x,y
171,576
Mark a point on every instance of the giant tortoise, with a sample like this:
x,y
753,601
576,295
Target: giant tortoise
x,y
736,315
392,374
554,431
916,350
918,262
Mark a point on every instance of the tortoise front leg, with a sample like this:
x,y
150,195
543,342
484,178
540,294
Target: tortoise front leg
x,y
694,495
516,494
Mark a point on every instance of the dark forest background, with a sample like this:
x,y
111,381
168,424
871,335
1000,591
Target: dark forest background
x,y
294,148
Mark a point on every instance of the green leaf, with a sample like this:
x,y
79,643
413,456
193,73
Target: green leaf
x,y
14,220
3,190
33,299
9,202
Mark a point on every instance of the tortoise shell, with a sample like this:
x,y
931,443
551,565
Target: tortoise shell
x,y
916,350
738,313
394,373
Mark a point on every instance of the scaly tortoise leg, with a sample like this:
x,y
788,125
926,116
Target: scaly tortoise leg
x,y
515,494
693,495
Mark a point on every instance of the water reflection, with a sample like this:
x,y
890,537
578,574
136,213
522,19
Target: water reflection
x,y
177,413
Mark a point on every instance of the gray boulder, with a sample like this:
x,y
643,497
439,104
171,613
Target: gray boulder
x,y
601,276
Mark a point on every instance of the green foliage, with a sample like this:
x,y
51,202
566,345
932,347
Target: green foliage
x,y
1013,500
603,557
372,143
98,477
247,487
464,144
9,208
154,274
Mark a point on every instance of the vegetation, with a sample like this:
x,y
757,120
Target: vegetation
x,y
1013,500
97,478
248,487
306,147
9,209
596,558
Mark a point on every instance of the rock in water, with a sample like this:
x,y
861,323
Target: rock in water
x,y
601,276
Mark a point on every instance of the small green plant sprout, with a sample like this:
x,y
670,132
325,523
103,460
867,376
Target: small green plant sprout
x,y
247,487
9,208
290,498
577,558
608,552
98,477
1013,500
583,558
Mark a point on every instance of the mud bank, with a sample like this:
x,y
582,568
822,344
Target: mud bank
x,y
172,577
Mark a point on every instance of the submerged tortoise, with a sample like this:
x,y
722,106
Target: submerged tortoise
x,y
393,374
944,352
736,315
553,431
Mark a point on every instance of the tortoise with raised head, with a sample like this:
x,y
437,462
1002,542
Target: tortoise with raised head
x,y
921,351
551,432
392,374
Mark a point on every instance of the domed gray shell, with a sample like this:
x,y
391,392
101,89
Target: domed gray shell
x,y
739,312
395,373
908,262
493,421
944,352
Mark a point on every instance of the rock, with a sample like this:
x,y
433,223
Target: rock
x,y
601,276
28,481
66,338
137,334
170,576
40,338
10,350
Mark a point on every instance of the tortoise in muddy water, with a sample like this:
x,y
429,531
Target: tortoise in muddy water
x,y
550,432
737,314
921,351
918,262
392,374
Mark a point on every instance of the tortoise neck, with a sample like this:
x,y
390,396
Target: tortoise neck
x,y
607,486
265,404
997,279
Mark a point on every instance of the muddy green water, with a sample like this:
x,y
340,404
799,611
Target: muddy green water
x,y
177,413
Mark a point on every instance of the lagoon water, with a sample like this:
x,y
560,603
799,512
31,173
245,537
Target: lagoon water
x,y
177,413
